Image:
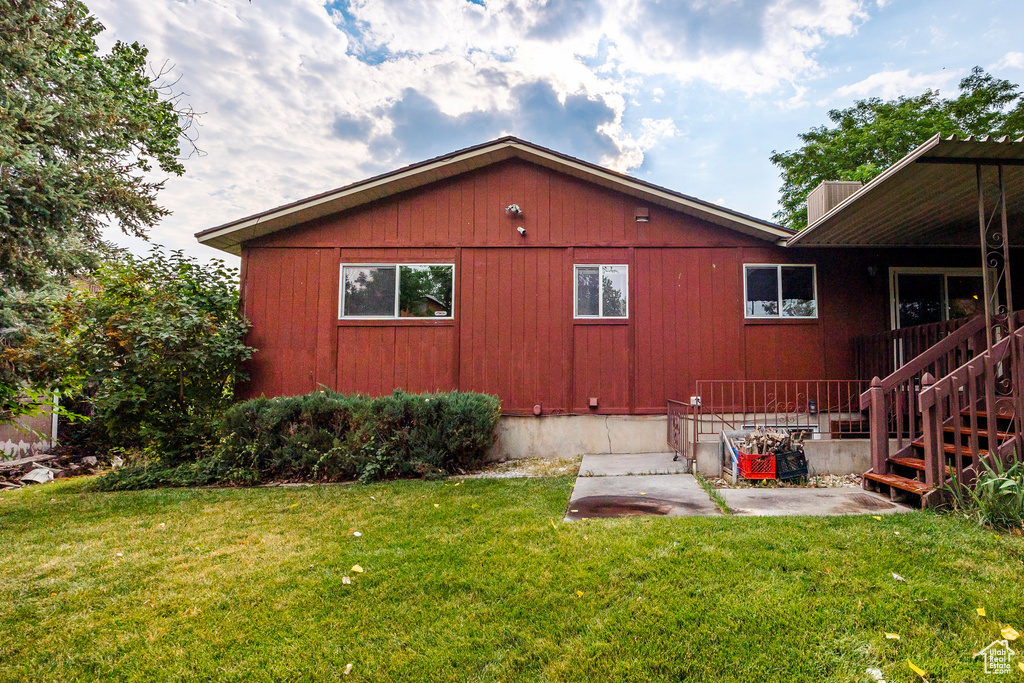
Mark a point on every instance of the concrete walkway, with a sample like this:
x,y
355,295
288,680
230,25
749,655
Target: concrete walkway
x,y
653,484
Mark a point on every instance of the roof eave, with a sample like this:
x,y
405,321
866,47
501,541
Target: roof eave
x,y
230,236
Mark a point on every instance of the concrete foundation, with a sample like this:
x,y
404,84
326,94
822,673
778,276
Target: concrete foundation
x,y
569,435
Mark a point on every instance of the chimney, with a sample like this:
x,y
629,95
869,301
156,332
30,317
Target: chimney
x,y
828,196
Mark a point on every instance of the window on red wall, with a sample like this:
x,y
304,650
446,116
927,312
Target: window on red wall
x,y
397,291
601,291
780,291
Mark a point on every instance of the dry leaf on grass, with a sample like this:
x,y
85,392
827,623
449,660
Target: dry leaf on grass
x,y
981,611
347,581
916,669
348,669
1010,633
897,577
357,569
892,636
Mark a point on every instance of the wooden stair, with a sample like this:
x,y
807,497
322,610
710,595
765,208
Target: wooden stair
x,y
905,475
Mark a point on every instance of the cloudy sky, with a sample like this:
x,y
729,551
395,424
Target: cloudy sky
x,y
299,96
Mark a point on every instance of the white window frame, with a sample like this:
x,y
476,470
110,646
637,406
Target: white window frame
x,y
778,275
398,294
600,298
895,271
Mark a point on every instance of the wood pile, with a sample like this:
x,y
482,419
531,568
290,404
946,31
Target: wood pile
x,y
763,440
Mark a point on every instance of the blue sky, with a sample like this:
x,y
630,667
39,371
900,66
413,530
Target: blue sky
x,y
299,96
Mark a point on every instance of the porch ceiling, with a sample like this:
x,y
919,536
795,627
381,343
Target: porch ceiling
x,y
927,198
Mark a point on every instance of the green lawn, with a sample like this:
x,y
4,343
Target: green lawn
x,y
480,581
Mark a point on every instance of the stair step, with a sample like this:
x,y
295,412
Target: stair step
x,y
983,414
949,448
916,464
898,482
982,433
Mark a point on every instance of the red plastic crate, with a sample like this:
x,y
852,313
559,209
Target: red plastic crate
x,y
757,466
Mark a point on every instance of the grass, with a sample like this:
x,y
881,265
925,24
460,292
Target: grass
x,y
713,493
481,581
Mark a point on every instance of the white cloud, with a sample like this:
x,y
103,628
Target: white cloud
x,y
1011,60
300,97
892,84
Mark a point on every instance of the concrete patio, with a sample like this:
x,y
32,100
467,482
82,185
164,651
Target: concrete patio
x,y
653,484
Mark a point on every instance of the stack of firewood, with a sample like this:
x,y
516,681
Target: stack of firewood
x,y
763,440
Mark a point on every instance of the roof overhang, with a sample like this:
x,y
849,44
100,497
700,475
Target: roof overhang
x,y
929,198
230,236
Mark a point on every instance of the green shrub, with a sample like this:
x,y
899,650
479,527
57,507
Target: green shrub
x,y
996,500
152,356
330,436
326,436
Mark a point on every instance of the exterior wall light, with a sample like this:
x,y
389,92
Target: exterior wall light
x,y
513,210
522,231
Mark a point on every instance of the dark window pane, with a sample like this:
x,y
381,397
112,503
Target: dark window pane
x,y
369,291
798,292
587,288
966,296
920,299
762,291
425,291
614,289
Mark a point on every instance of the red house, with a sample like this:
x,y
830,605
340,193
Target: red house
x,y
567,289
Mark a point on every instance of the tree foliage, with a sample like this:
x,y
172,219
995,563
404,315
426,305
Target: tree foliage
x,y
156,350
80,135
866,138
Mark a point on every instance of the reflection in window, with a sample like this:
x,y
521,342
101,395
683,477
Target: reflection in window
x,y
779,291
425,291
369,291
389,291
602,291
587,288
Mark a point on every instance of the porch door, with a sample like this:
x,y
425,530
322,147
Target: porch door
x,y
923,296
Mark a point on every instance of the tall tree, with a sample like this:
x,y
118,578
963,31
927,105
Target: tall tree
x,y
866,138
80,134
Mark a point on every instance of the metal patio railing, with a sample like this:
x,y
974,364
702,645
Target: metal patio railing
x,y
819,406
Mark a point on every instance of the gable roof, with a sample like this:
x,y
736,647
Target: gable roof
x,y
927,198
229,236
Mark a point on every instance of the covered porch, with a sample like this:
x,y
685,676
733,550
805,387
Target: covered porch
x,y
947,390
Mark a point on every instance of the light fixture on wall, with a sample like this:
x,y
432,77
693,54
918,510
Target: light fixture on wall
x,y
522,231
513,210
872,271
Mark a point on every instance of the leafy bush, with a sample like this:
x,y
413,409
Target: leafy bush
x,y
152,355
996,499
325,435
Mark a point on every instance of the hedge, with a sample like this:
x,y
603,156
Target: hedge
x,y
327,436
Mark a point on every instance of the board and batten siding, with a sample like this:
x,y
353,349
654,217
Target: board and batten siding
x,y
513,333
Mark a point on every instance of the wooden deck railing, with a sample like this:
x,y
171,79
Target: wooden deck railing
x,y
947,401
892,403
880,355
